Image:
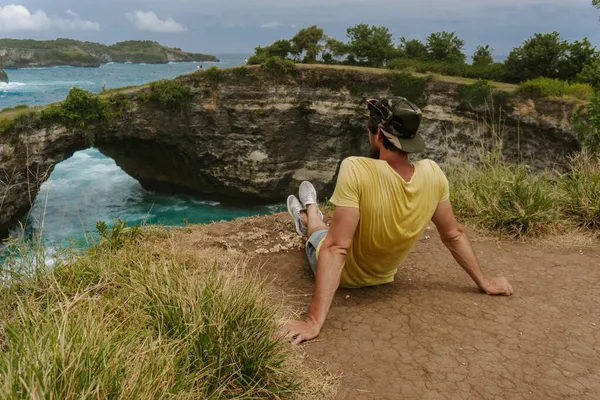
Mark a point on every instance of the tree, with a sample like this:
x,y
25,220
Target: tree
x,y
333,49
258,57
446,47
541,55
579,55
370,45
280,48
590,74
307,41
483,56
414,49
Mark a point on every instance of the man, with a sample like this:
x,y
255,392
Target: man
x,y
383,205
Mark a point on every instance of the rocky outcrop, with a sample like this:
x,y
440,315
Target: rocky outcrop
x,y
16,53
250,136
3,76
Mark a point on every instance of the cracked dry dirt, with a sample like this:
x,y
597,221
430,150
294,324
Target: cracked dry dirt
x,y
431,334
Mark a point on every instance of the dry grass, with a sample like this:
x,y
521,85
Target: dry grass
x,y
132,319
514,201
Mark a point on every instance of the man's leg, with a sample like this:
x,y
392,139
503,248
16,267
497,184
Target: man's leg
x,y
316,231
308,222
312,220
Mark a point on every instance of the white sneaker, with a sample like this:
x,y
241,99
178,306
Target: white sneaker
x,y
308,196
294,208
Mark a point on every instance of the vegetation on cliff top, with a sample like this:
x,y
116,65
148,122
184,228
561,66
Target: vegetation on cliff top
x,y
542,55
131,319
171,94
77,53
81,110
511,199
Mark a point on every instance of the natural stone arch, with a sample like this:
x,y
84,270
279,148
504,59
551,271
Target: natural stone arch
x,y
250,138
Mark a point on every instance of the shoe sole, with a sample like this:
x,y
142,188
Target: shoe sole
x,y
297,221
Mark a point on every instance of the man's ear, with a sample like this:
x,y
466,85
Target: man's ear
x,y
378,136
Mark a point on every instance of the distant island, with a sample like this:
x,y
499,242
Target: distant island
x,y
17,53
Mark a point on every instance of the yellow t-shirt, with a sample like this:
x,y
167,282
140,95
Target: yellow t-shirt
x,y
393,215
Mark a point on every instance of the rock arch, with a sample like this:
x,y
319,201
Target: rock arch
x,y
251,138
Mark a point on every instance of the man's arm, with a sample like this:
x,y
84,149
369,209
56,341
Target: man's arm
x,y
332,258
456,240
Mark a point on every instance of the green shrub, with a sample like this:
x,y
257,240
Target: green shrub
x,y
409,86
586,122
214,75
543,87
80,109
475,95
546,87
581,191
118,104
506,198
278,67
582,91
170,93
240,72
494,72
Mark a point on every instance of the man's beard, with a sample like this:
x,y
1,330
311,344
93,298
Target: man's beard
x,y
374,153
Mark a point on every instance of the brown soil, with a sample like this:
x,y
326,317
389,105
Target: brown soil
x,y
432,334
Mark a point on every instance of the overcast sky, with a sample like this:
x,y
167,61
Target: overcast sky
x,y
226,26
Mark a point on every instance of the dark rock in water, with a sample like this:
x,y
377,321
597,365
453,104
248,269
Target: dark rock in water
x,y
253,136
3,76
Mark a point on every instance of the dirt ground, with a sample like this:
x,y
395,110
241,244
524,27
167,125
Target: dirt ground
x,y
431,334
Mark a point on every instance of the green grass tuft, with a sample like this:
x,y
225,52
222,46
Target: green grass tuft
x,y
505,198
133,319
581,191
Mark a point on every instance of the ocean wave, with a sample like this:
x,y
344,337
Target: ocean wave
x,y
207,203
81,155
11,85
276,208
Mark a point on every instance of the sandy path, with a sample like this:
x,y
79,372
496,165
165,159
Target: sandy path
x,y
432,334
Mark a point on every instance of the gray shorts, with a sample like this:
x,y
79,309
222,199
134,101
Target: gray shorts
x,y
311,248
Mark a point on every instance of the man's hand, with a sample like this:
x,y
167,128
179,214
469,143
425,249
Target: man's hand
x,y
302,330
497,286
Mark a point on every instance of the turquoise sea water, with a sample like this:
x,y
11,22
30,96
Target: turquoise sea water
x,y
90,187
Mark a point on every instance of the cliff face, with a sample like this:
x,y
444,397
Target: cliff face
x,y
3,76
250,136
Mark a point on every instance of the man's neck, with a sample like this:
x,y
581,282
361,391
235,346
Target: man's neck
x,y
399,163
395,159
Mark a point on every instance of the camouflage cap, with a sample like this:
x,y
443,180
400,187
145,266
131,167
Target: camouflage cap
x,y
398,120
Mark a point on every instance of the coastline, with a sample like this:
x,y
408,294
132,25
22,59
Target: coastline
x,y
12,68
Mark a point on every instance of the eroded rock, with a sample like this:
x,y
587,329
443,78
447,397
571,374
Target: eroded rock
x,y
253,137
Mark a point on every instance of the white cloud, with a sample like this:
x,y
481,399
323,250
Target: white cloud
x,y
18,18
271,25
75,23
149,21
